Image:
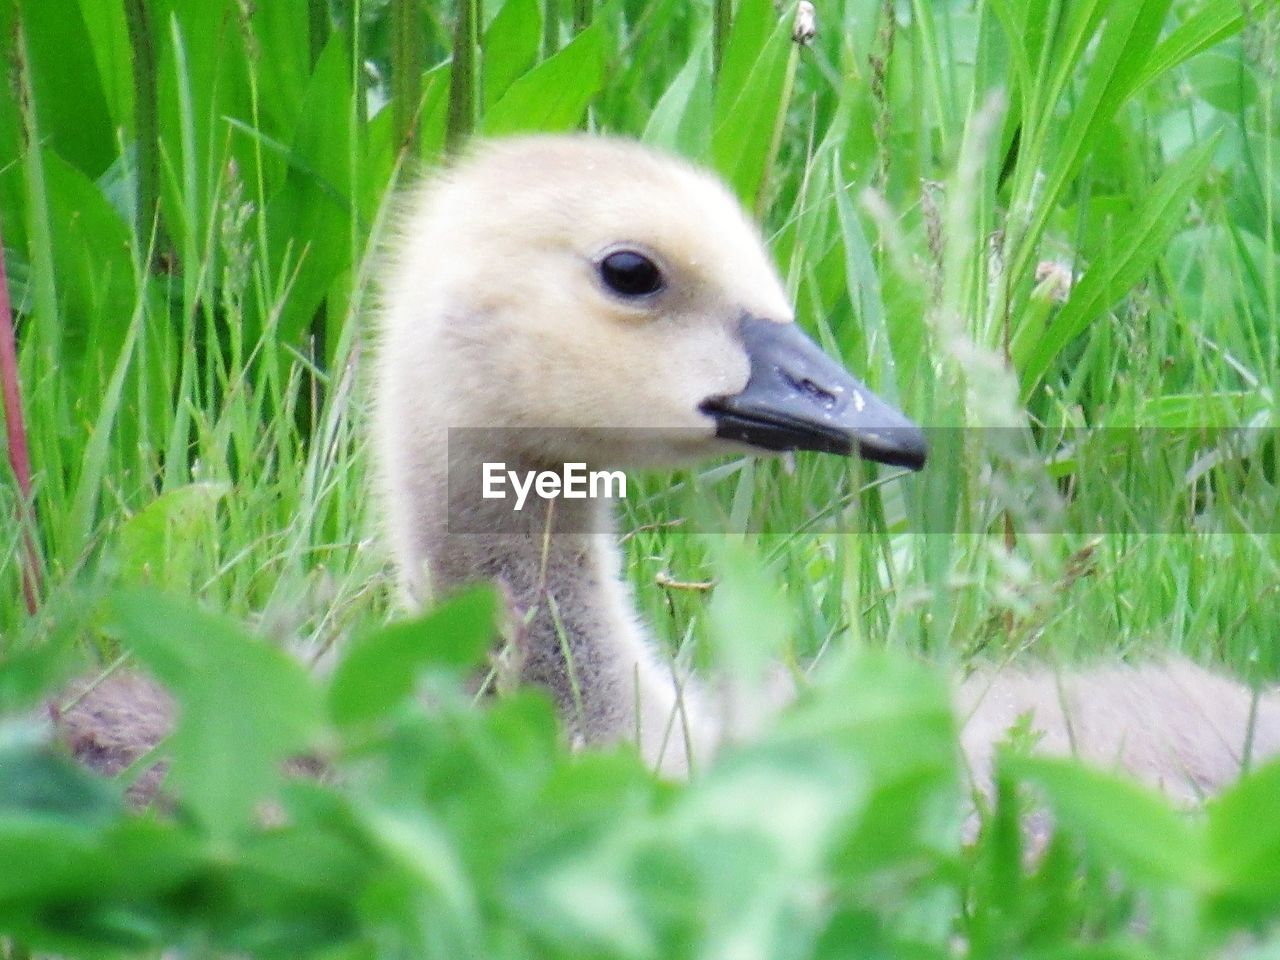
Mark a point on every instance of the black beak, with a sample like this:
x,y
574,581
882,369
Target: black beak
x,y
798,398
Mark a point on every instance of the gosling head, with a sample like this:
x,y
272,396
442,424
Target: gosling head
x,y
596,285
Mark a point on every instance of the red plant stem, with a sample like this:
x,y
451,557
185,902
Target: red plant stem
x,y
19,452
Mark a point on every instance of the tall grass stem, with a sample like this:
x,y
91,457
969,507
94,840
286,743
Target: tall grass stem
x,y
463,95
721,23
145,121
550,28
406,71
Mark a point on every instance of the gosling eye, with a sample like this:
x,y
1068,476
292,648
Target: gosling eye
x,y
630,274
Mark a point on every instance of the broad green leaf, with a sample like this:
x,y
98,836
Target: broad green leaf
x,y
54,850
510,47
34,780
323,145
380,670
28,673
749,101
310,219
753,21
96,891
681,119
295,891
109,44
588,897
435,109
554,95
1244,847
1216,78
94,271
1123,823
442,898
68,91
280,29
892,719
244,706
162,544
1138,245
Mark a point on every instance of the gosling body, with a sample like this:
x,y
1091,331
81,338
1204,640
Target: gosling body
x,y
1173,725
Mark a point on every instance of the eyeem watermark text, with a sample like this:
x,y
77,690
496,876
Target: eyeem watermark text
x,y
574,482
1195,481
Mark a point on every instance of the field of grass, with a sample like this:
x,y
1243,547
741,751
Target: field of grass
x,y
1048,230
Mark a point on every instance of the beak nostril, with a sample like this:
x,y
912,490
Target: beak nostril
x,y
813,391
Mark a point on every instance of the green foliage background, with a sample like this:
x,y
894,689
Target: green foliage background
x,y
191,201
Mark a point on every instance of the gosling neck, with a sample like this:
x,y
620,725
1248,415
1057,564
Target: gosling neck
x,y
575,632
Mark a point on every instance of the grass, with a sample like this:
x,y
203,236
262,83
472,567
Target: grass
x,y
191,198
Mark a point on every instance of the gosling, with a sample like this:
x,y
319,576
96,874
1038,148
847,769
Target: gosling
x,y
604,304
581,299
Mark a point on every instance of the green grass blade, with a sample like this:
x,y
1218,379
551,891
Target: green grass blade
x,y
1141,241
1206,28
91,480
1127,37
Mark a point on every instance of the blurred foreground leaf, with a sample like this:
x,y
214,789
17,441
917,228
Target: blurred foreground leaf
x,y
1244,848
379,671
1123,823
245,707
